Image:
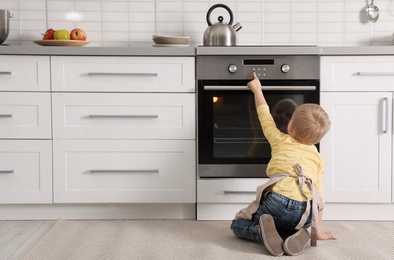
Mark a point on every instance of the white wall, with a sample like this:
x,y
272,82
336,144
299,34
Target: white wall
x,y
123,22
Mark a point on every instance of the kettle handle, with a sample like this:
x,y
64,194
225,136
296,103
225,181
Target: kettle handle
x,y
219,5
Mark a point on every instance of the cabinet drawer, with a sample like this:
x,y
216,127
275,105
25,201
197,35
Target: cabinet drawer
x,y
227,190
24,73
123,116
25,115
25,171
123,74
357,73
124,171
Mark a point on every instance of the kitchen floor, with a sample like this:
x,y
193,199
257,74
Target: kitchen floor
x,y
18,237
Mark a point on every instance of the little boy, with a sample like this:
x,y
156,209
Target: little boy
x,y
280,215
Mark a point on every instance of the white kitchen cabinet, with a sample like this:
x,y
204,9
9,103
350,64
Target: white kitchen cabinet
x,y
358,147
25,115
357,93
25,171
137,146
25,130
124,116
120,171
24,73
357,73
122,74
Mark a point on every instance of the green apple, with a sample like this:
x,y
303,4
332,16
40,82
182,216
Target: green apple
x,y
61,35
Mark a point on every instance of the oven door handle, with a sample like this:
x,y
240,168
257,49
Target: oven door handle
x,y
265,88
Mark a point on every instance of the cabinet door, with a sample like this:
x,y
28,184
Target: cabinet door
x,y
25,115
122,74
24,73
357,149
122,171
25,171
357,73
123,116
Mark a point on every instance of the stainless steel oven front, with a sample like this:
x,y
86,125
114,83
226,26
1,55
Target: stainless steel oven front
x,y
230,140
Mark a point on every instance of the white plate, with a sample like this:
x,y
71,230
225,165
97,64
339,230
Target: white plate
x,y
166,39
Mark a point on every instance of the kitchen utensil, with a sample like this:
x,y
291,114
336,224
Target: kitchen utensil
x,y
221,34
167,39
372,12
5,15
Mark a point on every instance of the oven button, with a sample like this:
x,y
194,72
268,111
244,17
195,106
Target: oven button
x,y
285,68
232,68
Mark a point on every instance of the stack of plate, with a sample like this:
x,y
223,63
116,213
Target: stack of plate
x,y
168,41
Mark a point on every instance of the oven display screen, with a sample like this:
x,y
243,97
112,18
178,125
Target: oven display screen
x,y
258,62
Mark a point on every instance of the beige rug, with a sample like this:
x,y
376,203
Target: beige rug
x,y
189,239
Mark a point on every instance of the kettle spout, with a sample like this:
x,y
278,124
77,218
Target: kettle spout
x,y
237,27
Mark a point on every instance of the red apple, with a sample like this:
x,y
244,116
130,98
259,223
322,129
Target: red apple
x,y
49,34
78,34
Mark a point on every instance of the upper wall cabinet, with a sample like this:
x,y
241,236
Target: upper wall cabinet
x,y
123,74
24,73
357,73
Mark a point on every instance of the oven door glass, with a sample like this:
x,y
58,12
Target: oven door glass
x,y
229,129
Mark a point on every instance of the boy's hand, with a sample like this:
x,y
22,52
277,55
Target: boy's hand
x,y
254,84
326,236
255,87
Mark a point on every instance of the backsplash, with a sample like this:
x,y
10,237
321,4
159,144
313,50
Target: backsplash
x,y
121,23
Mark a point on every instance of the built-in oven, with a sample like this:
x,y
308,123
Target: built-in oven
x,y
230,139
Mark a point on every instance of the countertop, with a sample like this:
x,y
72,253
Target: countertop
x,y
149,50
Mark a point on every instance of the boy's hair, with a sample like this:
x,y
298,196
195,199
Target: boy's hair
x,y
310,123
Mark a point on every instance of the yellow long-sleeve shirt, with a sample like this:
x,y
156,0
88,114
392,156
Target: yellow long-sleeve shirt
x,y
286,152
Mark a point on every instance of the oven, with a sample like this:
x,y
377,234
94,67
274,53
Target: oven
x,y
230,140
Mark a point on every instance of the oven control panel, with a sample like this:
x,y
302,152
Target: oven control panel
x,y
266,67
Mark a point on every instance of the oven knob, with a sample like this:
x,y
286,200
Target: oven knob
x,y
285,68
232,68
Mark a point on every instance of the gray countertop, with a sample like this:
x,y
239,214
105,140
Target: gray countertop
x,y
137,50
149,50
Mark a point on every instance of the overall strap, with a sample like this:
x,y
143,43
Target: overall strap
x,y
316,203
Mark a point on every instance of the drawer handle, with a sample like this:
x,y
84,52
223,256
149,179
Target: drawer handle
x,y
122,116
385,114
126,171
239,192
123,74
279,88
375,73
6,171
5,115
5,72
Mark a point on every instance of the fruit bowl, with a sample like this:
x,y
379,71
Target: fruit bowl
x,y
73,43
173,40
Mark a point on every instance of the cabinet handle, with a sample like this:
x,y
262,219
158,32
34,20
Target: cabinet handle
x,y
123,74
122,116
126,171
360,73
6,171
5,72
385,114
239,192
279,88
5,115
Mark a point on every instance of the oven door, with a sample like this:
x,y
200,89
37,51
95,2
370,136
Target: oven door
x,y
230,139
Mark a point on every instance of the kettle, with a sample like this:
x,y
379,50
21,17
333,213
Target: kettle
x,y
221,34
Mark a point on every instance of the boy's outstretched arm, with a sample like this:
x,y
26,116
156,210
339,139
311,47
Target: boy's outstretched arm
x,y
255,87
323,235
